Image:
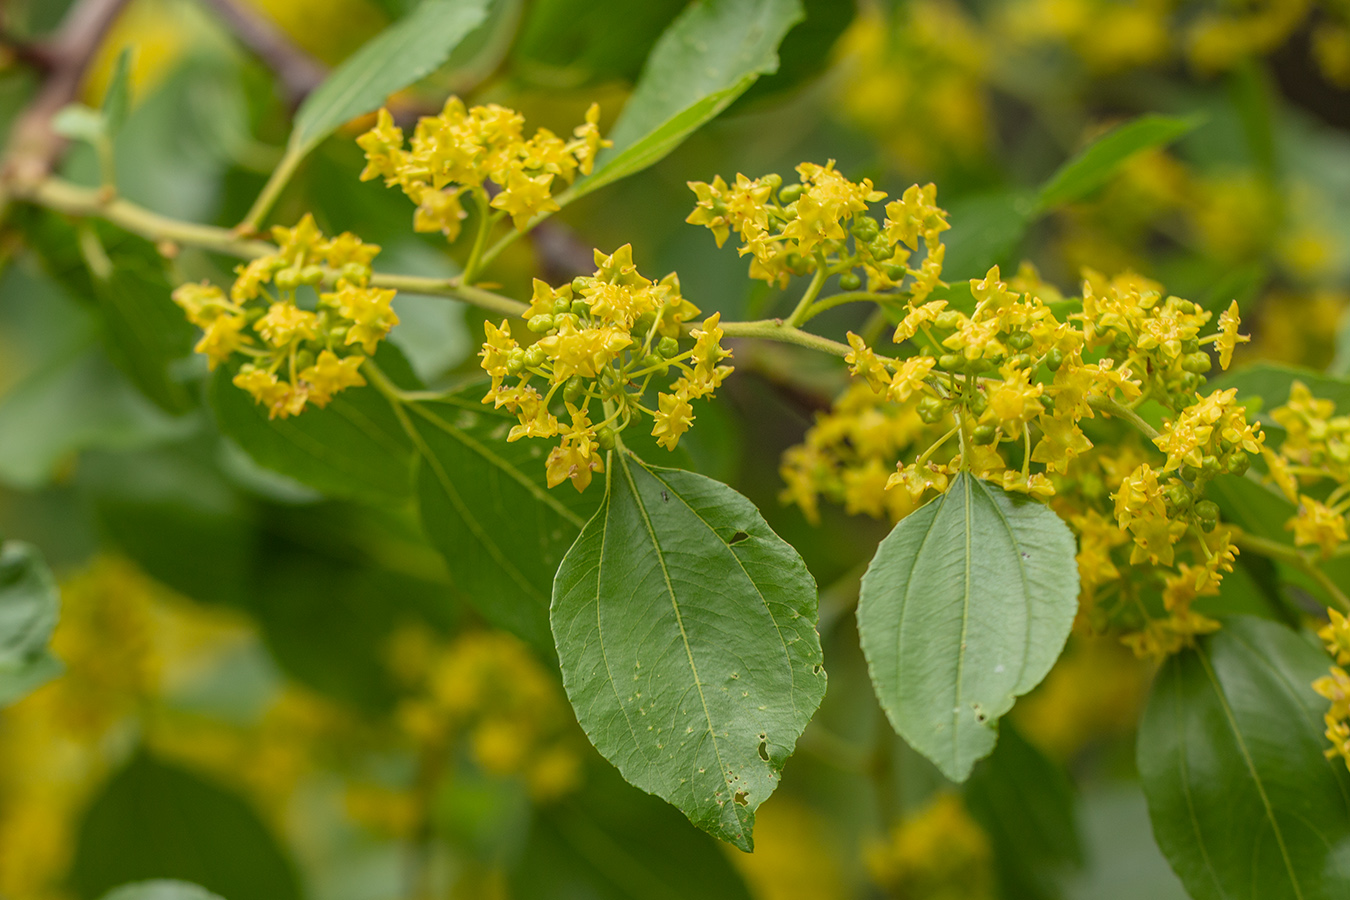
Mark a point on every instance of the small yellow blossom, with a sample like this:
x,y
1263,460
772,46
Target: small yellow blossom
x,y
1317,524
1228,335
330,375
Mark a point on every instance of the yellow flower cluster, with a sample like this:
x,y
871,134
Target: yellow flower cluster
x,y
488,690
1336,686
935,853
1316,448
300,345
849,454
459,151
602,338
821,225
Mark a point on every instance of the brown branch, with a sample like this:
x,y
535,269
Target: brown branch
x,y
34,147
298,72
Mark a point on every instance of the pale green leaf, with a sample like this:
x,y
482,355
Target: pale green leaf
x,y
964,608
117,98
1244,803
1101,159
686,632
29,605
707,58
403,53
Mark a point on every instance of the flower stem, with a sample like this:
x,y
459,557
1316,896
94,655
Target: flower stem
x,y
1296,558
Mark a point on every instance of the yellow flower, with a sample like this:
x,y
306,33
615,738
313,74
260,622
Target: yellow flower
x,y
588,134
384,149
368,312
223,336
1336,688
281,398
673,417
918,480
909,377
330,375
1336,635
1317,524
573,460
524,196
916,318
202,302
285,323
863,362
1228,335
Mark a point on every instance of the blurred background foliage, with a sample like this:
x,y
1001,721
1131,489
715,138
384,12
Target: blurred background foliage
x,y
278,695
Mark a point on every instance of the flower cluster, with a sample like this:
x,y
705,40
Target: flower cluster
x,y
602,339
459,151
1315,449
1336,685
488,690
302,346
822,225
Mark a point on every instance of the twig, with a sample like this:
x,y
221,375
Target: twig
x,y
34,147
298,72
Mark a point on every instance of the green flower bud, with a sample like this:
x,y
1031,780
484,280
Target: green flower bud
x,y
657,362
644,324
948,319
984,434
1207,514
1179,495
515,363
978,403
1019,340
791,193
311,275
574,390
932,409
1237,463
773,180
288,279
1022,360
604,436
1190,345
1122,341
1054,359
540,324
952,362
865,228
1198,362
1189,472
562,305
880,248
668,347
894,272
580,283
580,308
849,281
354,272
534,357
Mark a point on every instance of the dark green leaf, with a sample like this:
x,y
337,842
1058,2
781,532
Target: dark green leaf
x,y
986,230
160,889
29,605
1095,165
353,448
613,842
589,40
964,608
403,53
1025,803
485,506
707,58
1244,803
686,632
154,820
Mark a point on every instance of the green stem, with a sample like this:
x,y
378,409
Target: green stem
x,y
486,220
830,302
802,312
783,333
267,198
1111,407
1296,558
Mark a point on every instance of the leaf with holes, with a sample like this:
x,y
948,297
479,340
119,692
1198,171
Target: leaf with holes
x,y
1244,804
964,608
686,632
484,506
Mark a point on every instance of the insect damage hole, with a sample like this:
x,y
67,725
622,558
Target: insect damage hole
x,y
737,538
763,748
742,798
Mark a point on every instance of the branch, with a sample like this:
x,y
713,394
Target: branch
x,y
34,147
1296,558
298,72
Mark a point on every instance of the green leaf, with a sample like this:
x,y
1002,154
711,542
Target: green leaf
x,y
353,448
1340,365
29,605
160,889
403,53
964,608
589,40
485,507
117,99
707,58
79,122
1244,803
610,841
154,820
76,402
987,230
686,632
1101,159
1025,804
1265,386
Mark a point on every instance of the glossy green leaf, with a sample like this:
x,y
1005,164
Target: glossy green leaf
x,y
403,53
1266,386
155,820
1101,159
589,40
484,505
29,605
1025,803
964,608
1244,803
353,448
611,841
160,889
707,58
686,632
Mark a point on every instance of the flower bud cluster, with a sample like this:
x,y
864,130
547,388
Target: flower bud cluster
x,y
460,150
822,225
602,339
300,340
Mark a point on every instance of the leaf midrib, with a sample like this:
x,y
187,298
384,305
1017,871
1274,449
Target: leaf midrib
x,y
684,636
